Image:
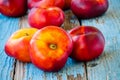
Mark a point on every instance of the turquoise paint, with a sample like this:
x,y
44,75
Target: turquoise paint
x,y
7,27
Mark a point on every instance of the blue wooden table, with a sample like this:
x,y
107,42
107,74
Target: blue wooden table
x,y
106,67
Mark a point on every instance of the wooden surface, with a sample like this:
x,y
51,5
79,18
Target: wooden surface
x,y
106,67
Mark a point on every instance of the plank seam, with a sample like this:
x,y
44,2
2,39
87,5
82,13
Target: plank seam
x,y
80,22
14,69
86,71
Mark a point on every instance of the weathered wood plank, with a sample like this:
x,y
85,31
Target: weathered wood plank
x,y
70,20
7,27
107,66
72,70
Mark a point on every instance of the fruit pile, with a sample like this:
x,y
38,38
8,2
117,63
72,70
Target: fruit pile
x,y
46,44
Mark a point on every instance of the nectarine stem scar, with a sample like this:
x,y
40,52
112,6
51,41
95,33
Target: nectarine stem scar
x,y
53,46
26,34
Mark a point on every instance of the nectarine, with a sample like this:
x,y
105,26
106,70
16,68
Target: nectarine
x,y
50,48
41,17
88,43
13,8
89,8
17,45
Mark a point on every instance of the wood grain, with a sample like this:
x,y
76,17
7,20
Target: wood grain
x,y
107,66
7,27
70,20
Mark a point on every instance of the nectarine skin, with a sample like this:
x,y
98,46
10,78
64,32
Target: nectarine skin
x,y
50,48
88,43
17,45
31,3
86,9
45,3
13,8
40,17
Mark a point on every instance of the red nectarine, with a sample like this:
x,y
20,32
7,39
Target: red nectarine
x,y
13,8
41,17
46,3
89,8
88,43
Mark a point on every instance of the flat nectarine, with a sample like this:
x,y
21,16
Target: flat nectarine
x,y
89,8
88,43
50,48
17,45
13,8
41,17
